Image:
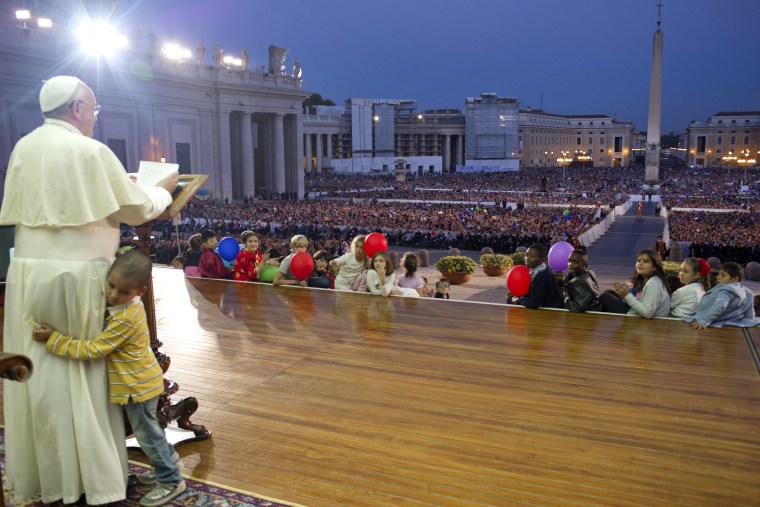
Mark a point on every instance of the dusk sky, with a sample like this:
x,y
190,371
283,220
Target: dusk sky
x,y
584,56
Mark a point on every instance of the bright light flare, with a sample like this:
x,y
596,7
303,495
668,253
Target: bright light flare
x,y
175,52
23,14
44,23
100,39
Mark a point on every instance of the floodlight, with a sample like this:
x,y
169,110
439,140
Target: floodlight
x,y
100,38
23,14
175,52
44,22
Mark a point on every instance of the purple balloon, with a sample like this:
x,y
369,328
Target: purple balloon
x,y
558,254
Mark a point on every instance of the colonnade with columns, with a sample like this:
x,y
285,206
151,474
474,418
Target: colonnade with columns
x,y
318,151
320,148
263,151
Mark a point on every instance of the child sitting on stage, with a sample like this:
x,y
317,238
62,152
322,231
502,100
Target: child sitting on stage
x,y
211,265
726,304
442,289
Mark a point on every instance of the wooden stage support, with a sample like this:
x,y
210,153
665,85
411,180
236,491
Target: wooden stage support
x,y
326,398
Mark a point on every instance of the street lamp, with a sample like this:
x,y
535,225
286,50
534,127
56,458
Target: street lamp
x,y
729,158
416,134
564,161
745,161
583,157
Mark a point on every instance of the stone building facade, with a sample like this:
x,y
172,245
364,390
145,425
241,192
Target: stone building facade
x,y
723,139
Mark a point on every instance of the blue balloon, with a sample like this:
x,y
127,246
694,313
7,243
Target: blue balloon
x,y
228,249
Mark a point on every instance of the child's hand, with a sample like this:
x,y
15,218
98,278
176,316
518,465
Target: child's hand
x,y
695,324
621,289
41,332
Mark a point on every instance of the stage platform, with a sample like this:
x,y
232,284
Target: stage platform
x,y
326,398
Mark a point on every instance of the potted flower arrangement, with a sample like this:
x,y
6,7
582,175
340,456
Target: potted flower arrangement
x,y
671,267
495,264
518,259
457,269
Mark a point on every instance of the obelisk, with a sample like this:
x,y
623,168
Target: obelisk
x,y
652,173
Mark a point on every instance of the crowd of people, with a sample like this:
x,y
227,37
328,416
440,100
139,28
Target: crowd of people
x,y
710,188
605,186
329,224
412,214
725,235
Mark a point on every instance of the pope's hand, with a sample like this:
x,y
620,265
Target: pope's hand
x,y
169,183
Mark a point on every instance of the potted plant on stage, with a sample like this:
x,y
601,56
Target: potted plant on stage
x,y
518,259
495,264
457,269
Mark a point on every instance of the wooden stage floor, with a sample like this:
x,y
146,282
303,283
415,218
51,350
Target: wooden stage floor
x,y
325,398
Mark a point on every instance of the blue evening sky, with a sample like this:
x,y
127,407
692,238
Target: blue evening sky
x,y
584,56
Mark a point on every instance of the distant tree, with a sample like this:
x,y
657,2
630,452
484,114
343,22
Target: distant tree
x,y
315,99
670,140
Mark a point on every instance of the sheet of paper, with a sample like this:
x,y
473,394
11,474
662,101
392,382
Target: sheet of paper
x,y
149,173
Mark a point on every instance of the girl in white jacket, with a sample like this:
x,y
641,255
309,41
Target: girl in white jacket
x,y
694,277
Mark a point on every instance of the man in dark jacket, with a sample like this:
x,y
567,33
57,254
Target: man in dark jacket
x,y
543,290
580,286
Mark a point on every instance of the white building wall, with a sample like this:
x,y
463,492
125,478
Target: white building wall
x,y
375,165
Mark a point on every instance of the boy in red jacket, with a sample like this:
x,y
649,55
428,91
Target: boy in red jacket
x,y
211,265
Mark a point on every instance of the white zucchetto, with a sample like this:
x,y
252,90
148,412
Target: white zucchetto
x,y
56,91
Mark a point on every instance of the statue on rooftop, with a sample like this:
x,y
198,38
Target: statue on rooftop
x,y
277,59
200,50
153,42
217,54
245,58
296,68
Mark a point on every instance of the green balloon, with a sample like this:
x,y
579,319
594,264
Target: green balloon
x,y
267,273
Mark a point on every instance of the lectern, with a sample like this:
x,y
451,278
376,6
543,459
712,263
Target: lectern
x,y
182,410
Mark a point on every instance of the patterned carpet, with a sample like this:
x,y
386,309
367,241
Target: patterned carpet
x,y
198,493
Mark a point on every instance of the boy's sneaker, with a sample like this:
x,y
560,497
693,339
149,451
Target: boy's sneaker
x,y
149,477
162,494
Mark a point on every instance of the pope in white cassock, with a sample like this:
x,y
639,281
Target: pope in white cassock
x,y
66,194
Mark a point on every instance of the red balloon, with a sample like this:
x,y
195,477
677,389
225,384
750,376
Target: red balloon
x,y
301,265
518,280
373,243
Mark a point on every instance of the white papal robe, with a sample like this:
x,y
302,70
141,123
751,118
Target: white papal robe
x,y
66,194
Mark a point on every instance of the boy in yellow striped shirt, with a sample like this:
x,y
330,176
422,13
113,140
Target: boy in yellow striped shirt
x,y
135,378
